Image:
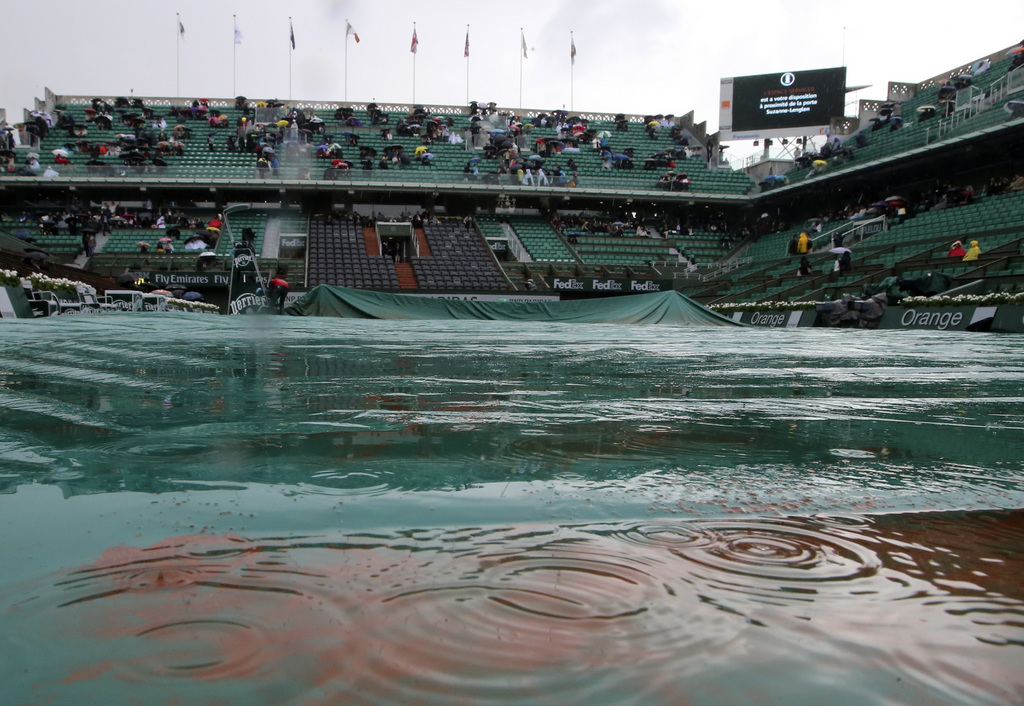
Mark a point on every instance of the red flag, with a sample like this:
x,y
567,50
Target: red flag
x,y
466,53
349,30
415,42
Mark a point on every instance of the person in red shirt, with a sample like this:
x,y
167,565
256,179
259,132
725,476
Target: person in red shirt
x,y
278,292
957,250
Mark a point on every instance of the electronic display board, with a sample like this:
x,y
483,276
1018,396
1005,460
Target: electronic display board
x,y
781,104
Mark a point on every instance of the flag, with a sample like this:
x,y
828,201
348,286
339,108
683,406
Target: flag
x,y
238,34
523,36
291,32
349,30
466,53
415,42
572,51
181,30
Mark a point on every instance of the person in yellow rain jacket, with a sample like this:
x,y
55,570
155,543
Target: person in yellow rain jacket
x,y
972,252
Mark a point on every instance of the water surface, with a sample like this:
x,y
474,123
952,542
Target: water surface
x,y
302,511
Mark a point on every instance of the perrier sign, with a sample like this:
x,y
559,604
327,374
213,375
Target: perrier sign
x,y
246,294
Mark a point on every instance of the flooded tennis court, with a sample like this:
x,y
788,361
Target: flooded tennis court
x,y
278,510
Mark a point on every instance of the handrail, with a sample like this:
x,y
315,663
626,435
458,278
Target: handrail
x,y
850,228
414,175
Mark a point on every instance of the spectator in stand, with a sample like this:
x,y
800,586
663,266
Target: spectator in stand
x,y
792,248
973,252
1018,182
805,267
803,244
957,250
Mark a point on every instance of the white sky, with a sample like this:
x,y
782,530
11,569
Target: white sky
x,y
647,56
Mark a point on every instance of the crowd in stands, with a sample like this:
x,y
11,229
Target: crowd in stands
x,y
192,233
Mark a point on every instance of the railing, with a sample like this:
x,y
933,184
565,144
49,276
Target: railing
x,y
415,174
976,102
852,233
331,106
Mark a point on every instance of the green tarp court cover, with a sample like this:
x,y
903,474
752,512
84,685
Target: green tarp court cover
x,y
670,308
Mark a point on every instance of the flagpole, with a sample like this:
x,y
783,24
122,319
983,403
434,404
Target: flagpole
x,y
467,64
234,57
522,43
289,58
177,56
414,67
572,66
346,59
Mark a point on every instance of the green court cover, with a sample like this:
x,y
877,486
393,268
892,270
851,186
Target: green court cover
x,y
669,308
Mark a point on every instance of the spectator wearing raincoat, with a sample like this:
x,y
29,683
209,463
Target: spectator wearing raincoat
x,y
972,252
803,244
957,250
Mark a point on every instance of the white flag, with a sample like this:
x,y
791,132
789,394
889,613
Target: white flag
x,y
238,34
350,30
523,36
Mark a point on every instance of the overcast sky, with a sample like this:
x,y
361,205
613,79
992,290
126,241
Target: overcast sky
x,y
648,56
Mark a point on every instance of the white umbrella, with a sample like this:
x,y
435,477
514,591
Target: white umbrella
x,y
60,152
840,251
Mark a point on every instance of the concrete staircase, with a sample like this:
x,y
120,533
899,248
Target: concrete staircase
x,y
406,277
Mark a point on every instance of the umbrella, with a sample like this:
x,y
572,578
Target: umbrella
x,y
192,296
90,227
60,152
604,133
161,292
1016,50
895,198
925,108
31,249
475,160
32,155
820,163
164,240
880,204
839,251
282,123
207,253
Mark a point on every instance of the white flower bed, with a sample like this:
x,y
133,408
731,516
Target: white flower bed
x,y
994,299
44,283
9,278
763,306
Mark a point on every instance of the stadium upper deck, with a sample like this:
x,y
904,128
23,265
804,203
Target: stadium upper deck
x,y
171,142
